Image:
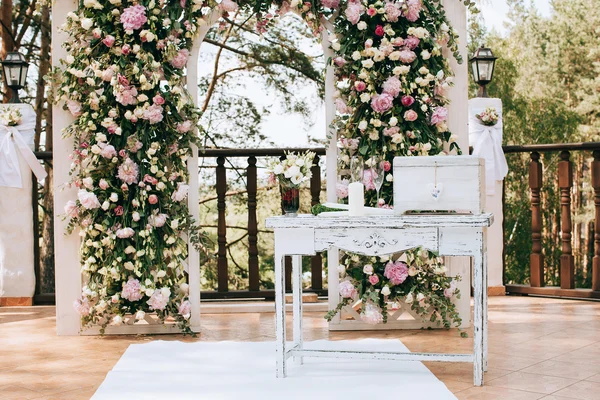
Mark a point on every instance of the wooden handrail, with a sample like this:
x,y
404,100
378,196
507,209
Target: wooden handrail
x,y
545,148
262,152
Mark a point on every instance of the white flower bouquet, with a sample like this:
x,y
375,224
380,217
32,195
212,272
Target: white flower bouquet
x,y
11,117
293,170
488,117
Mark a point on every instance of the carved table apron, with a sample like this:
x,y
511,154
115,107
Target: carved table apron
x,y
449,235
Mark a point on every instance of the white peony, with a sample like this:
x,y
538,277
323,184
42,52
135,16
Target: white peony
x,y
87,23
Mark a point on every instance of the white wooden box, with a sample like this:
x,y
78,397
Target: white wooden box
x,y
439,183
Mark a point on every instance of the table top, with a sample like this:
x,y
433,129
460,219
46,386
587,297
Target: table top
x,y
382,221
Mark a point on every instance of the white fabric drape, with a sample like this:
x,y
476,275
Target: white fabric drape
x,y
487,143
13,142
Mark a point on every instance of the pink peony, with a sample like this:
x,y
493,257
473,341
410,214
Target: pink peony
x,y
396,272
407,101
407,56
372,314
411,115
157,220
180,60
82,306
413,10
373,279
183,127
341,189
109,41
74,107
347,290
153,114
126,95
228,6
368,179
108,74
379,30
392,86
382,102
330,3
342,107
125,233
71,209
392,11
353,12
133,17
118,210
398,41
184,309
132,290
88,199
159,299
360,86
412,42
439,115
108,151
158,100
128,172
153,199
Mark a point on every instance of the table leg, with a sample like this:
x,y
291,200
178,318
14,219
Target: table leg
x,y
485,313
280,316
478,318
297,303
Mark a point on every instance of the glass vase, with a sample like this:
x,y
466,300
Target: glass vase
x,y
290,199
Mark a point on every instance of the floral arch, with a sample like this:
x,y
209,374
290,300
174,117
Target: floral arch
x,y
129,128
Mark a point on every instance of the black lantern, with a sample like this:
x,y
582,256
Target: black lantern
x,y
15,69
482,64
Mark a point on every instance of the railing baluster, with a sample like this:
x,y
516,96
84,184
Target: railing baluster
x,y
316,262
536,259
596,186
222,270
565,183
253,275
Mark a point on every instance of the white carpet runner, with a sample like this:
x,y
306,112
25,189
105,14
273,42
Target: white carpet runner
x,y
246,371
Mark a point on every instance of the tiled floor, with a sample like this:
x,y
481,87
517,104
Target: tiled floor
x,y
539,349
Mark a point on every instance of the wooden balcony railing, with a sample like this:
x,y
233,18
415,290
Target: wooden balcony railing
x,y
538,267
254,290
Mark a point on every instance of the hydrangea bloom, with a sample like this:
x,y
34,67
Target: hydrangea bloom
x,y
159,299
392,86
153,114
396,272
134,17
132,290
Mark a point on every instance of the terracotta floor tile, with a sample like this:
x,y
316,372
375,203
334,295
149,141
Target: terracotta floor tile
x,y
564,369
585,355
532,382
17,393
584,390
595,378
496,393
553,397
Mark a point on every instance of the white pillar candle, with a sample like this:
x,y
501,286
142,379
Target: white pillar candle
x,y
356,199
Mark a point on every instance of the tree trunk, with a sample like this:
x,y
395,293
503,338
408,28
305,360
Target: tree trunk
x,y
8,43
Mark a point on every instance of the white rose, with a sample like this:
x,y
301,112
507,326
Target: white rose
x,y
128,266
420,297
114,197
368,269
394,56
87,23
140,314
161,274
389,178
356,56
365,97
386,291
117,320
336,46
374,135
362,125
426,55
409,299
362,25
393,121
368,63
135,216
96,149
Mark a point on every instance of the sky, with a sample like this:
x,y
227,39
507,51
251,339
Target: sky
x,y
290,131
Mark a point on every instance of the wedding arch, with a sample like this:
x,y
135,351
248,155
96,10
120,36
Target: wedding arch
x,y
146,175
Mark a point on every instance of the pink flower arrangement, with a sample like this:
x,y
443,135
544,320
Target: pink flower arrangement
x,y
411,115
439,115
341,189
333,4
109,41
392,86
379,30
153,114
382,102
128,172
133,17
412,42
392,11
132,290
347,290
396,272
407,56
407,101
180,60
372,314
159,299
353,11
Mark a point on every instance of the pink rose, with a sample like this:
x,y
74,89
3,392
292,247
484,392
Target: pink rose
x,y
411,115
379,30
153,199
407,56
228,6
132,290
398,42
181,193
82,306
157,220
153,114
407,101
382,102
74,107
125,49
158,100
330,3
391,131
133,17
347,290
392,12
339,61
392,86
412,42
126,95
150,179
371,12
386,166
396,272
109,41
108,74
159,299
122,153
88,199
118,210
71,209
342,107
360,86
103,184
373,279
180,60
353,12
439,115
185,309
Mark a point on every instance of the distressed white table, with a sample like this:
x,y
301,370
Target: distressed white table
x,y
449,235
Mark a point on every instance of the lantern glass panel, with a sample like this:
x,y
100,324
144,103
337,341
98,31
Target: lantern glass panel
x,y
13,75
23,79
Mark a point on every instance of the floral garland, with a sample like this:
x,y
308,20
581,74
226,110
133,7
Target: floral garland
x,y
123,81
